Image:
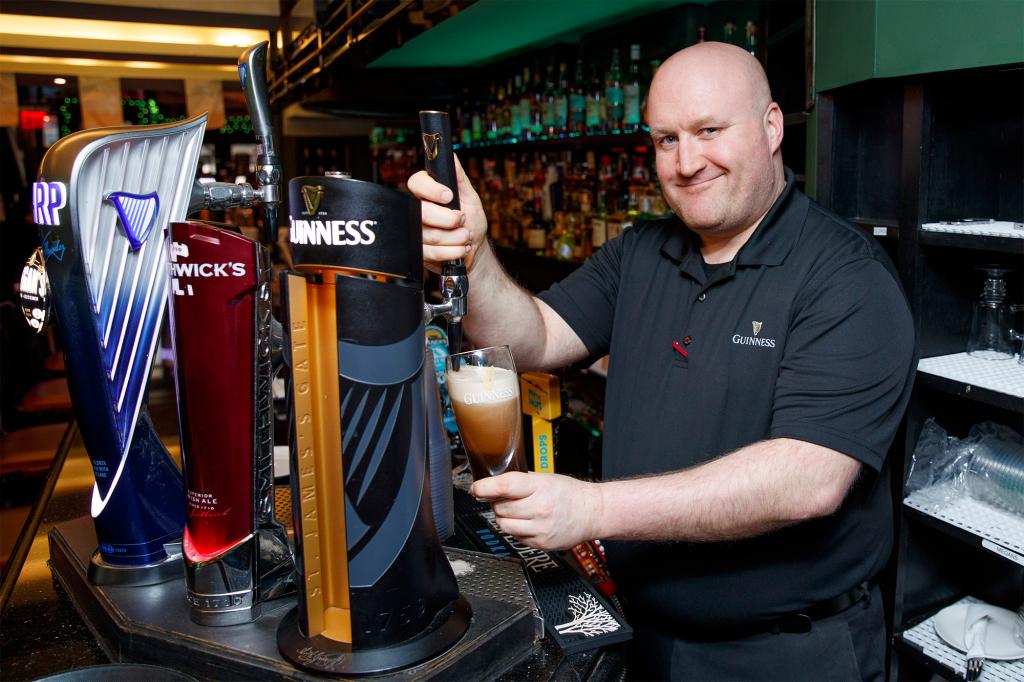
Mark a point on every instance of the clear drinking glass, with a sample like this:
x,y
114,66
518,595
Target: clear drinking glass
x,y
1018,626
1017,333
991,335
484,390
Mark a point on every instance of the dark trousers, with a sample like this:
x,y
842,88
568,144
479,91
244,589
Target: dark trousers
x,y
845,647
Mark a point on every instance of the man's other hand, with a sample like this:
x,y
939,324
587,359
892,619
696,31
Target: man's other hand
x,y
546,511
449,234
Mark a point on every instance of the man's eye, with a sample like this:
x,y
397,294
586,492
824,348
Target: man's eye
x,y
707,132
666,140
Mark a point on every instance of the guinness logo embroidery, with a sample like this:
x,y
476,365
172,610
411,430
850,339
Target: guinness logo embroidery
x,y
431,145
756,339
311,195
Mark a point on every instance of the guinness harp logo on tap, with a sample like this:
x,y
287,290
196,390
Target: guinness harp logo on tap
x,y
311,197
431,145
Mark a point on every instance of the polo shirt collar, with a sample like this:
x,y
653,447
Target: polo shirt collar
x,y
770,243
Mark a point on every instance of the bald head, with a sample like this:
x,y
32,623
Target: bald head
x,y
717,137
719,66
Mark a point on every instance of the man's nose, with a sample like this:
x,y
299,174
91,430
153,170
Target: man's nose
x,y
689,159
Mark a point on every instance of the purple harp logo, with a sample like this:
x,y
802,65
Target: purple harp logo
x,y
138,214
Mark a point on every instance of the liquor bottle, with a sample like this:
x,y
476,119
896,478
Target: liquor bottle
x,y
537,107
546,196
476,122
466,119
504,113
751,41
579,226
623,171
565,244
548,102
595,98
562,101
525,105
510,195
514,109
536,235
599,221
493,115
639,182
614,94
730,34
631,92
577,102
702,34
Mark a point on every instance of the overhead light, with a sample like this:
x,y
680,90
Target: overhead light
x,y
60,81
81,66
128,31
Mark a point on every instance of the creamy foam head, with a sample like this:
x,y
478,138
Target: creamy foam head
x,y
473,385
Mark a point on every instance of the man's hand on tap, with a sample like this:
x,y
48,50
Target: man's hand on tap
x,y
449,234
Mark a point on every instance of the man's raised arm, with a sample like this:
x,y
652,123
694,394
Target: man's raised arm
x,y
500,312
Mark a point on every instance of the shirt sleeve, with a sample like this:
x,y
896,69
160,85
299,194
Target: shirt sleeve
x,y
848,364
586,298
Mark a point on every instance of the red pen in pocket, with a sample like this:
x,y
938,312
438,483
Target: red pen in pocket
x,y
679,347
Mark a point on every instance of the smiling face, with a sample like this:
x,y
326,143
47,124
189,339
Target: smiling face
x,y
716,136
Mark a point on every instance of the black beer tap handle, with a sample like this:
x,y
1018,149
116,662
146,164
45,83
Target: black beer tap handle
x,y
440,165
437,151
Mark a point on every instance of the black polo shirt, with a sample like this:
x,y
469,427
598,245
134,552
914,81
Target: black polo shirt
x,y
806,334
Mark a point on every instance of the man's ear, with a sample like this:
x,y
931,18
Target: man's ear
x,y
773,127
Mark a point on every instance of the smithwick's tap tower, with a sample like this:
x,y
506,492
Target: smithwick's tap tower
x,y
236,555
377,592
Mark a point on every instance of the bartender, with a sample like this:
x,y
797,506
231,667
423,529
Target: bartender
x,y
761,357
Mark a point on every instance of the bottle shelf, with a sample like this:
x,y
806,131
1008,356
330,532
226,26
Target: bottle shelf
x,y
558,142
984,525
995,382
943,659
996,236
999,228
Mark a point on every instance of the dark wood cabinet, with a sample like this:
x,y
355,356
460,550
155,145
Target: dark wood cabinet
x,y
895,154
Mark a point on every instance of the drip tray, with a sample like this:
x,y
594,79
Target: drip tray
x,y
151,624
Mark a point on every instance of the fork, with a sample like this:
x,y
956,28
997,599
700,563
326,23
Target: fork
x,y
975,641
974,668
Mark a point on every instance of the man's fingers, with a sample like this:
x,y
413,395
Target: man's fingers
x,y
439,216
436,254
425,187
513,509
521,529
510,486
435,237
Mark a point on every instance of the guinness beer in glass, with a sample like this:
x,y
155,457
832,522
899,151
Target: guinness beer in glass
x,y
484,390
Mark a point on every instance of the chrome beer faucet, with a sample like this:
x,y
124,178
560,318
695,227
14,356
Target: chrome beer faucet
x,y
252,67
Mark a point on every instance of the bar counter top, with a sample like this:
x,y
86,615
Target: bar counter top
x,y
43,634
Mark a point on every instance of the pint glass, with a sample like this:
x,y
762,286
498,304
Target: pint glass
x,y
484,391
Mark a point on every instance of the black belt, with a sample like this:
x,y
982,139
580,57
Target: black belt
x,y
798,622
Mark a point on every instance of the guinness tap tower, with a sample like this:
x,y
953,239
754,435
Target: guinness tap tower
x,y
377,592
